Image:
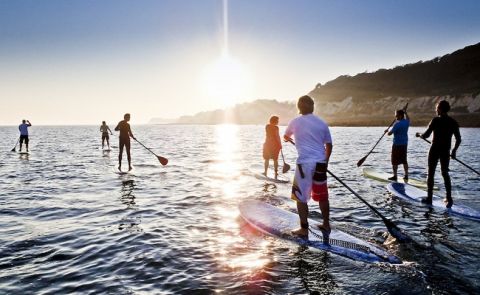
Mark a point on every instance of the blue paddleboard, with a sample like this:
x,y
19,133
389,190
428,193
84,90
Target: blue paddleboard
x,y
412,194
277,222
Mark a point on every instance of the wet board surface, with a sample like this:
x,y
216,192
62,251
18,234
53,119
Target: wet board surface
x,y
383,176
277,222
412,194
280,179
124,170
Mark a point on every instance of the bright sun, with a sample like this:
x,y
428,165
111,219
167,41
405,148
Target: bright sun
x,y
227,81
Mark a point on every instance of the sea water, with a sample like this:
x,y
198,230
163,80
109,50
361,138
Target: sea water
x,y
69,224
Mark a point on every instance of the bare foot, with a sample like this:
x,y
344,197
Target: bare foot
x,y
326,230
301,232
120,168
130,168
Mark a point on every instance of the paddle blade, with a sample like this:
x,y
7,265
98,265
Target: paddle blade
x,y
396,232
286,167
14,150
163,161
360,162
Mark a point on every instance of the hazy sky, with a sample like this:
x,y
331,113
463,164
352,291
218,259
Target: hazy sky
x,y
81,62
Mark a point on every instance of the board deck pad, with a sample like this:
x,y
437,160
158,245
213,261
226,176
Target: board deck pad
x,y
412,194
382,176
280,179
277,222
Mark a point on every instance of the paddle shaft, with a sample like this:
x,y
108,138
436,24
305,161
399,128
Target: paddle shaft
x,y
14,148
471,168
358,196
145,147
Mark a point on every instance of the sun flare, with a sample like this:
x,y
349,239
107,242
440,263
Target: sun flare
x,y
227,81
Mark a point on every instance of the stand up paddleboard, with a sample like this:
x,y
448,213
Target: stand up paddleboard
x,y
24,153
260,176
412,194
123,172
382,176
279,223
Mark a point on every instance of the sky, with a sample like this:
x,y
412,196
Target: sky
x,y
82,61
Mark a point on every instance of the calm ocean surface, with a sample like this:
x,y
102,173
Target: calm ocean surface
x,y
69,224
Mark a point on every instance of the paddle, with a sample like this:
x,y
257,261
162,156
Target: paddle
x,y
286,167
14,148
163,161
454,158
393,229
360,162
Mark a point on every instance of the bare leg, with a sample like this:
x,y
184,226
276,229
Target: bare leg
x,y
405,167
127,146
325,209
395,172
303,214
120,152
275,165
108,143
265,167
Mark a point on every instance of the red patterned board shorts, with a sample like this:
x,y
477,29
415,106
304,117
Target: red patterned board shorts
x,y
310,181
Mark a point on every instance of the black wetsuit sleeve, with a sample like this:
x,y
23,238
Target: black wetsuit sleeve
x,y
458,137
118,127
429,130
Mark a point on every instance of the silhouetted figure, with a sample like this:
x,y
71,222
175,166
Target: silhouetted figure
x,y
272,145
124,140
314,147
23,128
400,143
105,129
443,128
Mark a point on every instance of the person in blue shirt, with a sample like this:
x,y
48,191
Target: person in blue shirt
x,y
23,128
400,143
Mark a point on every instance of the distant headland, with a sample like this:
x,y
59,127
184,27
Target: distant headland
x,y
370,99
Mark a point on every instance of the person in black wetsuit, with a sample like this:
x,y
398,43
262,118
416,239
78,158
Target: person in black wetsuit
x,y
443,128
124,140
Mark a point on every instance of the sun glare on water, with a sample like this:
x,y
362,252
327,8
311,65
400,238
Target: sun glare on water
x,y
227,81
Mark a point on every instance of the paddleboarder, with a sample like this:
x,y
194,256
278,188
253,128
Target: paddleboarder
x,y
400,143
23,128
272,145
105,129
443,128
124,140
314,147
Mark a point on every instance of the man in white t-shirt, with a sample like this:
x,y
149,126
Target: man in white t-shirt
x,y
314,147
23,128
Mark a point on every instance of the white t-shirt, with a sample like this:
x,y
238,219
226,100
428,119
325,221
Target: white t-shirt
x,y
311,134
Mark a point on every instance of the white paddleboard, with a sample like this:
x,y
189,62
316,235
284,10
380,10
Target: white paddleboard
x,y
280,179
124,170
278,222
382,176
412,194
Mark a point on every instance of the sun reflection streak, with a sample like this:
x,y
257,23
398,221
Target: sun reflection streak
x,y
229,247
